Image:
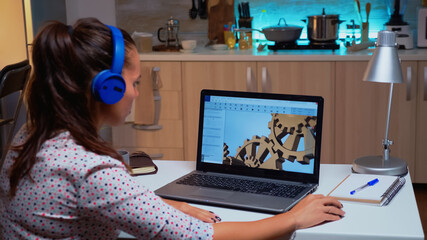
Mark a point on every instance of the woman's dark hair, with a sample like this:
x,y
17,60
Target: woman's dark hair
x,y
58,96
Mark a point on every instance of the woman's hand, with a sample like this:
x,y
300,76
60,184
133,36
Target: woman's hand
x,y
315,209
204,215
201,214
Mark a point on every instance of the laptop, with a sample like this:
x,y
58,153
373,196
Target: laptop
x,y
256,151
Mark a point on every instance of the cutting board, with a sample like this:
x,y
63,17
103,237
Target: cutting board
x,y
220,12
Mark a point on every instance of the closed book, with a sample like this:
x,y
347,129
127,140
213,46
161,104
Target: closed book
x,y
356,188
141,163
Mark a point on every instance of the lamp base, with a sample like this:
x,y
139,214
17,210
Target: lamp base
x,y
375,165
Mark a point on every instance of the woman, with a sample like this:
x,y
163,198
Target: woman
x,y
61,180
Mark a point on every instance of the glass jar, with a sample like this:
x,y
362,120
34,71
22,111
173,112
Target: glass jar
x,y
243,41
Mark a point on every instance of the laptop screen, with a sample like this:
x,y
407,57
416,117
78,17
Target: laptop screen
x,y
272,133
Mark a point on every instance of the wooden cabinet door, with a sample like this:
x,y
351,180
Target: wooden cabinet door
x,y
361,114
168,141
308,78
421,126
196,76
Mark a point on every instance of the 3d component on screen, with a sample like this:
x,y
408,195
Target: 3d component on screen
x,y
283,143
287,132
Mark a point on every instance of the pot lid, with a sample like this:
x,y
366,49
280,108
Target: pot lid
x,y
335,16
283,27
323,15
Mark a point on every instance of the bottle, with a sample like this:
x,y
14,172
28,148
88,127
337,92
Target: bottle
x,y
229,38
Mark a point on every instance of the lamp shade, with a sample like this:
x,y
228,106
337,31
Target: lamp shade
x,y
384,65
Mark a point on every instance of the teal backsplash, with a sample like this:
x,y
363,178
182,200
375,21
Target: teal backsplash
x,y
295,10
149,15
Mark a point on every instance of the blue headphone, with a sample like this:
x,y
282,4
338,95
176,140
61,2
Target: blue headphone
x,y
108,86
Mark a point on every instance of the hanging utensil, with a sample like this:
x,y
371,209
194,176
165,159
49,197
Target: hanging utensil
x,y
193,11
203,14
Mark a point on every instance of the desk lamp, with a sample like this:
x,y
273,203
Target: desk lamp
x,y
383,67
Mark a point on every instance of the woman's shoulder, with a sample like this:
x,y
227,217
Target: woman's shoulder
x,y
64,150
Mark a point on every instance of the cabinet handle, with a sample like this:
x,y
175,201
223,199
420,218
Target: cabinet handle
x,y
156,85
425,83
249,80
408,83
264,79
155,77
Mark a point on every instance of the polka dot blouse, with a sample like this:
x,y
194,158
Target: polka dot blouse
x,y
76,194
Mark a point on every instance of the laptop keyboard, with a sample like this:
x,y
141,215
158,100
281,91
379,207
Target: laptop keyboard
x,y
243,185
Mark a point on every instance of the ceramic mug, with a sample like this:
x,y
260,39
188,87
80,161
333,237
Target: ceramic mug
x,y
188,44
125,155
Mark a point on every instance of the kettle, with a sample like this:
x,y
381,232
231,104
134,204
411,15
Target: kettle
x,y
172,30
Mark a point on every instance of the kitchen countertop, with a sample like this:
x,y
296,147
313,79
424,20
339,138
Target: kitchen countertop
x,y
208,54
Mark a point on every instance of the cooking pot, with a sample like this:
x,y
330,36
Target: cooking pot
x,y
285,33
323,28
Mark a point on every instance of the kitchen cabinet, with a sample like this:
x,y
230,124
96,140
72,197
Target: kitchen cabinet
x,y
354,114
272,77
421,126
167,142
307,78
361,114
238,76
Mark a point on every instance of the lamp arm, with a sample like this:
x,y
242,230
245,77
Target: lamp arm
x,y
386,141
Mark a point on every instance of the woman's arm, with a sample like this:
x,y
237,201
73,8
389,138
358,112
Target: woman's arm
x,y
269,228
311,211
201,214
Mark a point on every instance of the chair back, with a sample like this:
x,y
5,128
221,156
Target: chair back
x,y
13,79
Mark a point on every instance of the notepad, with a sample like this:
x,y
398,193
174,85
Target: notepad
x,y
379,194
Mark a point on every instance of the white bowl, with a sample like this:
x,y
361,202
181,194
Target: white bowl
x,y
188,44
187,50
219,46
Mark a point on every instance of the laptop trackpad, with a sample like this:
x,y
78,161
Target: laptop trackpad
x,y
212,194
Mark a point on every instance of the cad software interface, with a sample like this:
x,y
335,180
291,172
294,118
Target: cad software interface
x,y
260,133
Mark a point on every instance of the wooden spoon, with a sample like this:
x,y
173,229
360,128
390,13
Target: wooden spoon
x,y
368,10
358,5
357,10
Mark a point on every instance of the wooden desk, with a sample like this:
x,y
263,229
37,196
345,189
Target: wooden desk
x,y
399,220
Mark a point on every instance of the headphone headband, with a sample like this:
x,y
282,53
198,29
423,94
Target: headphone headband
x,y
118,50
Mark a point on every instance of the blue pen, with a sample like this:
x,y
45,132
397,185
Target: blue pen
x,y
370,183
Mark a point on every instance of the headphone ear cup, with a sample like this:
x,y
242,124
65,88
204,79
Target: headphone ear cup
x,y
108,87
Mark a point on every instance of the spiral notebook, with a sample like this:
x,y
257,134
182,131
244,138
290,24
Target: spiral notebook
x,y
381,193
